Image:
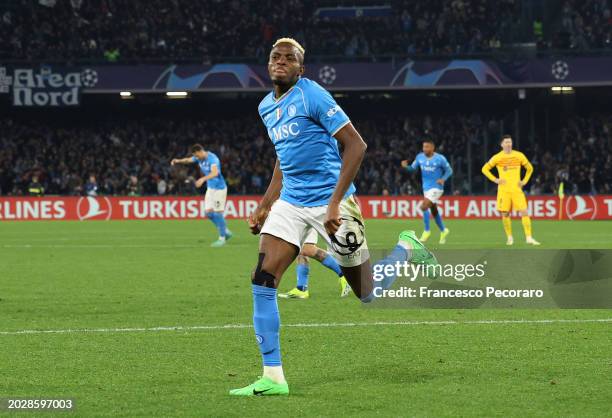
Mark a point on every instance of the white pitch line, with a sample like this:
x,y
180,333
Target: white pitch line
x,y
58,246
305,325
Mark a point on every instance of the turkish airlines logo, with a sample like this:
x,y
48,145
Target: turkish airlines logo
x,y
94,208
581,207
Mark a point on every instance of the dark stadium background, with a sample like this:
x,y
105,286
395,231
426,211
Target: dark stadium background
x,y
140,317
126,144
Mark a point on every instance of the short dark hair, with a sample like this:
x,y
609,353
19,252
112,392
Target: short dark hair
x,y
429,140
506,136
196,147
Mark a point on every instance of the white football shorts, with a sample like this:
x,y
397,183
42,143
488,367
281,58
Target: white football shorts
x,y
214,200
433,195
298,225
312,237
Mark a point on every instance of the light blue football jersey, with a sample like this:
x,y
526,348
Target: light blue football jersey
x,y
301,125
216,183
432,169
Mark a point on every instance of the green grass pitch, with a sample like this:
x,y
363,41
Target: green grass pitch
x,y
106,286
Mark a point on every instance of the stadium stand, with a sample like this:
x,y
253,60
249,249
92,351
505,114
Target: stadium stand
x,y
117,30
133,157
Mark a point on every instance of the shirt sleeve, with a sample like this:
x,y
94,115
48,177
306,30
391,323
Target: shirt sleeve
x,y
194,159
214,160
323,109
414,166
448,170
486,169
528,168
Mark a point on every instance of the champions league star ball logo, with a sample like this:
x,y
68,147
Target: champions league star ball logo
x,y
327,74
89,77
560,70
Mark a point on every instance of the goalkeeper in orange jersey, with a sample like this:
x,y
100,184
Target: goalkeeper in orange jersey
x,y
510,196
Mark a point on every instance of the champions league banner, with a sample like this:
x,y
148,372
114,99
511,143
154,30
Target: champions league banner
x,y
56,86
59,86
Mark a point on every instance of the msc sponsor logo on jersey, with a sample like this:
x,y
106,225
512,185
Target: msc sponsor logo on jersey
x,y
284,131
331,112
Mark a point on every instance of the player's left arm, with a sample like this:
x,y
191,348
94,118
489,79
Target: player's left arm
x,y
528,170
323,109
354,150
214,172
448,171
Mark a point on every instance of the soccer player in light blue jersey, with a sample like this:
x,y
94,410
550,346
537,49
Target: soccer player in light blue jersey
x,y
311,188
310,250
216,189
435,170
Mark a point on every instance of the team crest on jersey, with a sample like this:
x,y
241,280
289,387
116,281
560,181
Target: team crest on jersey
x,y
291,110
279,112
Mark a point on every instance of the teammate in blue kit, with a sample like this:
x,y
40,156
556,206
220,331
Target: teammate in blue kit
x,y
311,188
310,250
435,170
216,189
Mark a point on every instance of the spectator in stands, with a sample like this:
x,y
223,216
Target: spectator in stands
x,y
91,187
132,157
114,30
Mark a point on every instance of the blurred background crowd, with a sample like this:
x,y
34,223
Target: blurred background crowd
x,y
131,154
132,157
117,30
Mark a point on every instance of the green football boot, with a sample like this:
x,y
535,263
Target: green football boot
x,y
420,254
295,293
262,387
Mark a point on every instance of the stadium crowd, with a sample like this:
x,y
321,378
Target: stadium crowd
x,y
124,29
585,24
132,158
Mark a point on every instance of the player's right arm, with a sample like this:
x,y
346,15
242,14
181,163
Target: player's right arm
x,y
411,168
257,218
486,170
186,160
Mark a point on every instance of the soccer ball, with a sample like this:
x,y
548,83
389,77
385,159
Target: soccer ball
x,y
349,237
89,77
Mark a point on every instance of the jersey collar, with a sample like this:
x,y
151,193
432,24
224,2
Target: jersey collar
x,y
285,94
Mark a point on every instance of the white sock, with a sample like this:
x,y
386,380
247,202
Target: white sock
x,y
221,238
274,373
404,245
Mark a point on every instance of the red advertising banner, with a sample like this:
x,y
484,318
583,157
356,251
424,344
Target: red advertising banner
x,y
239,207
